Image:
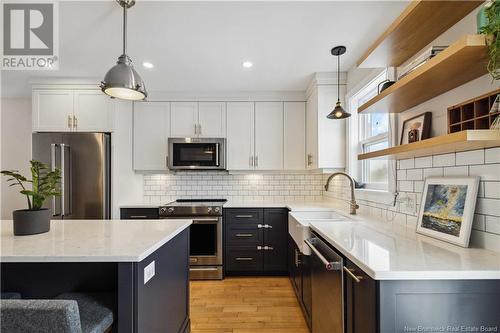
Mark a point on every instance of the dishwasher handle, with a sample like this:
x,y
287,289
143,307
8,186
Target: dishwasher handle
x,y
329,265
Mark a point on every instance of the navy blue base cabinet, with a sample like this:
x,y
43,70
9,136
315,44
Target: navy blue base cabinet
x,y
255,241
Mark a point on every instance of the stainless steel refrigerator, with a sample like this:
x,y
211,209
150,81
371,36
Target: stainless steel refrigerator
x,y
85,163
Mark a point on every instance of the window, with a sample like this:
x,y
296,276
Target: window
x,y
371,132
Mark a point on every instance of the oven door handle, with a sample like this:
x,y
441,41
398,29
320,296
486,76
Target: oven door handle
x,y
211,221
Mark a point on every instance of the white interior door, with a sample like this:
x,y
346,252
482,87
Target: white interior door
x,y
240,135
151,131
294,136
212,119
269,135
183,119
52,110
93,111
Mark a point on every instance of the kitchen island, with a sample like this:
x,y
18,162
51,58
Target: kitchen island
x,y
143,264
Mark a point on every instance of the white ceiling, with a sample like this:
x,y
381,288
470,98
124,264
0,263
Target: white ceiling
x,y
200,46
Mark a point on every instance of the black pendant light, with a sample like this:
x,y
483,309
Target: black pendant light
x,y
338,112
122,81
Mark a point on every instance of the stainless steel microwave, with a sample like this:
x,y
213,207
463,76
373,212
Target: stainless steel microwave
x,y
196,154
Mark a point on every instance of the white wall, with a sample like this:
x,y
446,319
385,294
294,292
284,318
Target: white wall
x,y
127,186
15,150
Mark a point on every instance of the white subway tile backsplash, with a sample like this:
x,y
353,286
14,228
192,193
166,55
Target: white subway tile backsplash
x,y
488,206
493,224
478,222
423,162
433,172
486,171
401,175
492,155
406,164
405,186
491,190
470,157
414,174
443,160
456,171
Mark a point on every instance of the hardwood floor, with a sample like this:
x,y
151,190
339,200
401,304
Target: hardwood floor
x,y
245,305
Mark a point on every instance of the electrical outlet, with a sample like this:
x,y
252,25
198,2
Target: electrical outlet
x,y
149,272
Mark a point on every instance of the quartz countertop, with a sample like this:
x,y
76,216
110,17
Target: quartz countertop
x,y
386,251
291,205
90,240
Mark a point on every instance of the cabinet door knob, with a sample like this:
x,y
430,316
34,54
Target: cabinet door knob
x,y
70,122
75,122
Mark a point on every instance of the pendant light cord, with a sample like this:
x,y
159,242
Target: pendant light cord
x,y
125,29
338,78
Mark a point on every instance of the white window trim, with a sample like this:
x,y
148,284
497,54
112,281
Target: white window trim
x,y
353,165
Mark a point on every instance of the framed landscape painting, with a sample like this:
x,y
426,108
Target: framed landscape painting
x,y
447,208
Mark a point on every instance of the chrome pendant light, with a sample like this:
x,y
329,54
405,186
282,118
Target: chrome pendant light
x,y
122,81
338,112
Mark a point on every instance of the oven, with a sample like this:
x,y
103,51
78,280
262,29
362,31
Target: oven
x,y
205,234
196,154
205,252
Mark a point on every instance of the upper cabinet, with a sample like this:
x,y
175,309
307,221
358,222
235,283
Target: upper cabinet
x,y
184,119
294,137
72,110
151,132
326,138
193,119
268,136
212,119
240,135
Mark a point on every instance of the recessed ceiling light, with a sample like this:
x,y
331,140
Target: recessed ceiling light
x,y
247,64
147,64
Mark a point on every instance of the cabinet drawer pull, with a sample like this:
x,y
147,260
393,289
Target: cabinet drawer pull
x,y
259,248
138,217
70,122
350,272
75,122
267,226
244,235
260,226
244,259
268,248
244,216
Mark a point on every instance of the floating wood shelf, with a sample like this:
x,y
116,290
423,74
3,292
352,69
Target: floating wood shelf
x,y
419,24
461,62
449,143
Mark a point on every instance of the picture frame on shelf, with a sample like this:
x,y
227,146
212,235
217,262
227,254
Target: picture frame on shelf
x,y
416,128
447,208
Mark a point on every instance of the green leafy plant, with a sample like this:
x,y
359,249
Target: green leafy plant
x,y
492,31
44,183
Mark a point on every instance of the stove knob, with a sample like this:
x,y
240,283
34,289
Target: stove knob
x,y
209,209
170,210
217,209
163,210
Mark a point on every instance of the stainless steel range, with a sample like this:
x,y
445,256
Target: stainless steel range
x,y
205,253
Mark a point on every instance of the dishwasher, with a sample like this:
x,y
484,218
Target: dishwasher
x,y
327,285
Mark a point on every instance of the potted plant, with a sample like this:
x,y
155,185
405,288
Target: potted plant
x,y
488,21
44,184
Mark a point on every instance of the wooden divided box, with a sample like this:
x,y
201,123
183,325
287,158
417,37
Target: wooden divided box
x,y
473,114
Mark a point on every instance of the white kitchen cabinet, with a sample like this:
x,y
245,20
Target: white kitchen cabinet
x,y
193,119
151,132
268,136
71,110
326,144
212,119
52,110
240,136
294,136
92,112
184,119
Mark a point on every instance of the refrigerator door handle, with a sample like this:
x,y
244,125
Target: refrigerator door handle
x,y
65,179
53,147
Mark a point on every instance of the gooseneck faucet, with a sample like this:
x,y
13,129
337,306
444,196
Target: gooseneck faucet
x,y
352,203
